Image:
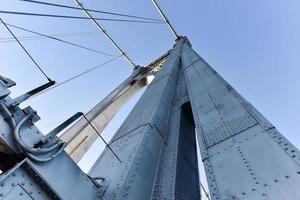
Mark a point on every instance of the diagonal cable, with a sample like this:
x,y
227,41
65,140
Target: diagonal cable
x,y
36,64
77,76
57,39
107,145
36,37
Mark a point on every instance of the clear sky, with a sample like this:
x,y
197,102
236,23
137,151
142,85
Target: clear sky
x,y
253,44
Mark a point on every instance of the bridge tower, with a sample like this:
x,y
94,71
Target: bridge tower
x,y
244,156
153,155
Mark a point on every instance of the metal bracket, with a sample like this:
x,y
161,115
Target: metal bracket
x,y
52,134
7,82
4,84
20,99
28,110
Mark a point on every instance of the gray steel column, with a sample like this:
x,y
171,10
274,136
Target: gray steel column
x,y
147,143
245,157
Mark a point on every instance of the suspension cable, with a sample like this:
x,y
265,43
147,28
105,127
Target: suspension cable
x,y
90,10
106,34
76,17
57,39
37,65
165,19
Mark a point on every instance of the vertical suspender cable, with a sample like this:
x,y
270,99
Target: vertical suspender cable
x,y
106,34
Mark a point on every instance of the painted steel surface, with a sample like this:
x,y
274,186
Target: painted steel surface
x,y
148,143
244,155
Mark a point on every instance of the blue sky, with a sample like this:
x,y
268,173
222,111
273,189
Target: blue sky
x,y
253,44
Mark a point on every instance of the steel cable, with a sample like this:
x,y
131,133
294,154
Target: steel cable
x,y
57,39
91,10
37,65
36,37
76,76
77,17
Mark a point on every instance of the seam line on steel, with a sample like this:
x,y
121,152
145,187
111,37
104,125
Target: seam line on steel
x,y
130,132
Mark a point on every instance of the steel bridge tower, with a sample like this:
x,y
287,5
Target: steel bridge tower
x,y
153,155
